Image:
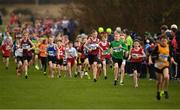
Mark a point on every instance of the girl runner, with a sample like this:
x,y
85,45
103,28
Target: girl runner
x,y
19,58
43,54
136,56
162,66
7,49
60,56
70,55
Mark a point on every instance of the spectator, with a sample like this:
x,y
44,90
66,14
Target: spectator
x,y
178,52
110,35
129,40
65,23
13,19
163,29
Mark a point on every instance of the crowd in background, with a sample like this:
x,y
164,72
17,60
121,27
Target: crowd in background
x,y
64,29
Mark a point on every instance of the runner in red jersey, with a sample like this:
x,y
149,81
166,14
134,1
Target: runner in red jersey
x,y
93,51
79,45
60,56
6,50
136,55
104,52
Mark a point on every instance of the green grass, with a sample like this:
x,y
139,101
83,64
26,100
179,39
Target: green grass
x,y
42,92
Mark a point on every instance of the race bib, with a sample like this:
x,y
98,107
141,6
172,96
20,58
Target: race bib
x,y
159,65
117,49
163,57
134,55
25,46
93,46
105,52
51,53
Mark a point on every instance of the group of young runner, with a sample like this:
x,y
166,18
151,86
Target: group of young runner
x,y
60,56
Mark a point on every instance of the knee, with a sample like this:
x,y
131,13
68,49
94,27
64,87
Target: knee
x,y
135,72
159,82
95,64
166,77
69,65
26,63
116,67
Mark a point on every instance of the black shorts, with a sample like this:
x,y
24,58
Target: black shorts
x,y
5,56
136,66
92,59
80,61
33,51
99,61
28,58
86,56
52,59
59,61
18,59
119,61
160,70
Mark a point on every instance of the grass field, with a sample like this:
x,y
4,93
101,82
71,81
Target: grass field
x,y
42,92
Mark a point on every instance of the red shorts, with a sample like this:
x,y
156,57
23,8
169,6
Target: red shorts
x,y
71,60
7,54
105,57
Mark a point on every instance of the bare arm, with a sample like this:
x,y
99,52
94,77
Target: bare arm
x,y
31,45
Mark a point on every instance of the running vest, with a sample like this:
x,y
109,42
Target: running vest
x,y
135,53
61,52
94,46
80,49
51,50
104,46
163,57
25,46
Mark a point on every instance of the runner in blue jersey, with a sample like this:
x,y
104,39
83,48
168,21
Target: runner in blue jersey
x,y
51,50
